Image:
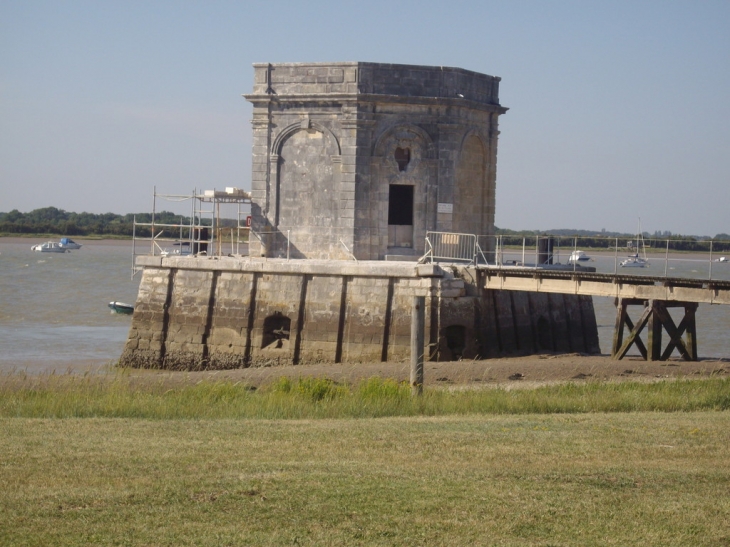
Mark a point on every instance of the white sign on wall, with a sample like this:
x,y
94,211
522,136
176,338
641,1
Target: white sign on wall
x,y
445,208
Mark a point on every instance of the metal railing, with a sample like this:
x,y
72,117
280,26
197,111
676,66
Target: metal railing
x,y
694,259
687,258
450,247
348,251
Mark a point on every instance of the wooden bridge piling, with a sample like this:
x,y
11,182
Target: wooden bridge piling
x,y
656,318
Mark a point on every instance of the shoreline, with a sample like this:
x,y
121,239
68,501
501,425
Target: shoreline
x,y
511,372
525,371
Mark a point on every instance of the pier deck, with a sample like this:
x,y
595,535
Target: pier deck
x,y
607,284
653,295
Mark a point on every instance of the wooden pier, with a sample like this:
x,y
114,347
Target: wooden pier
x,y
655,295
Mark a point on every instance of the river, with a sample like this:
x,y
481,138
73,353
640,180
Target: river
x,y
54,314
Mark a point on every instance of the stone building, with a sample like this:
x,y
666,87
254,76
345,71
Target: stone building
x,y
354,159
364,158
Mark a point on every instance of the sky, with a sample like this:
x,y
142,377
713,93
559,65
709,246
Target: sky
x,y
618,110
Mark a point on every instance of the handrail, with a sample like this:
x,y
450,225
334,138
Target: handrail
x,y
446,246
705,253
348,251
428,252
478,253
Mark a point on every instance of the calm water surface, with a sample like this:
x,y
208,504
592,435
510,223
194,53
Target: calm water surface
x,y
53,307
54,314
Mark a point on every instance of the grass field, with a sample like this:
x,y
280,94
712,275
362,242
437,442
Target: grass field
x,y
598,479
120,396
499,475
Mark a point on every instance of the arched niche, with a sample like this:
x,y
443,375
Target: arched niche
x,y
305,167
304,125
403,175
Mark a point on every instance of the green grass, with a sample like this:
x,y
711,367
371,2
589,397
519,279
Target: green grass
x,y
608,479
108,460
118,396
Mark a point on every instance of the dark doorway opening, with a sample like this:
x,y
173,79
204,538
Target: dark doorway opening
x,y
455,341
400,205
400,216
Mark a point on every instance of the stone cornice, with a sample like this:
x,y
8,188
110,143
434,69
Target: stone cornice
x,y
338,98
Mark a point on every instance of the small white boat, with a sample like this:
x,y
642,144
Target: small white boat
x,y
68,243
48,247
722,259
121,307
634,261
578,256
181,248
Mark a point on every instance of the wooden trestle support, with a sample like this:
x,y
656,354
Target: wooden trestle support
x,y
655,316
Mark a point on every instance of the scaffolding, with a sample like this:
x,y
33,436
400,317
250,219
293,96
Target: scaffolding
x,y
202,234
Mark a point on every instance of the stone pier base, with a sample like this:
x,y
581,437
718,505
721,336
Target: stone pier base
x,y
224,313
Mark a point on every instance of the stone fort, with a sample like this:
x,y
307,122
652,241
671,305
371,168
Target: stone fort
x,y
354,161
367,157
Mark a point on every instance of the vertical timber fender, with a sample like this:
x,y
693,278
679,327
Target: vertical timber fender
x,y
232,313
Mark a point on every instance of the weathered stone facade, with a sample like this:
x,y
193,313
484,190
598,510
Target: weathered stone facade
x,y
354,160
367,157
198,314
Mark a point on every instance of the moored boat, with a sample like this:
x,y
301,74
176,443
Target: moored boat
x,y
48,247
634,261
578,256
637,260
68,243
121,307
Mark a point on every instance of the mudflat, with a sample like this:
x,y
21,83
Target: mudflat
x,y
512,372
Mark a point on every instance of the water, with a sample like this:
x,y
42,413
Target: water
x,y
713,321
53,307
54,314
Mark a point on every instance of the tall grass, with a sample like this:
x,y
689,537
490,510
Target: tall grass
x,y
117,396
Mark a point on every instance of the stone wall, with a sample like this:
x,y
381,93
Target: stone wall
x,y
195,314
329,141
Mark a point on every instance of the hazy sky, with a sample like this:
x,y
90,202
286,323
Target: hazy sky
x,y
618,109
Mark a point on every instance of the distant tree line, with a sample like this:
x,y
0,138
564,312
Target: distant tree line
x,y
50,220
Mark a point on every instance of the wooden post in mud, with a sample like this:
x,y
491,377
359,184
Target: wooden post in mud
x,y
418,323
